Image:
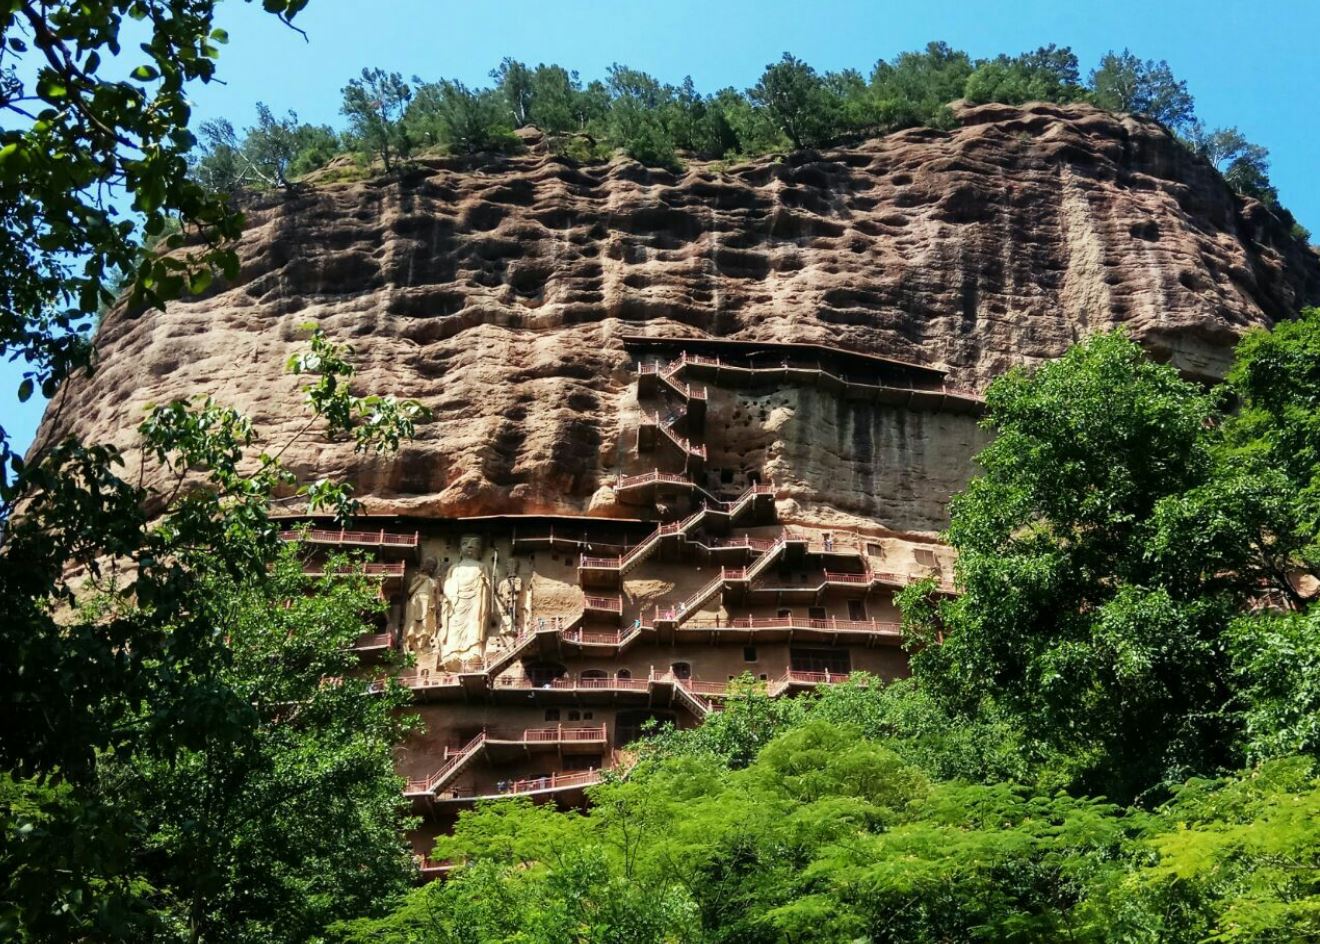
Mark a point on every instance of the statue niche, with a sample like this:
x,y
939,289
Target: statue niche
x,y
420,620
465,606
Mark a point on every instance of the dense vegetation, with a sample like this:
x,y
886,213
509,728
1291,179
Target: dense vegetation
x,y
1108,744
175,764
792,106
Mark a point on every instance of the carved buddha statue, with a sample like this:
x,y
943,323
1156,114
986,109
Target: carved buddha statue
x,y
465,607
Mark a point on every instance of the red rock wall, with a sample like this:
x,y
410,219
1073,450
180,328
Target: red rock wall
x,y
497,294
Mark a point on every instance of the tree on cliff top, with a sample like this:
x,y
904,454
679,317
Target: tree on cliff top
x,y
797,101
374,105
1123,82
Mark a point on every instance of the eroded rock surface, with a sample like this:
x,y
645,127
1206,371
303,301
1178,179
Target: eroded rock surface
x,y
498,295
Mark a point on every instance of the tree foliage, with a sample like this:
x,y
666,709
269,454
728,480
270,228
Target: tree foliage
x,y
269,155
828,835
791,106
1124,82
148,692
375,104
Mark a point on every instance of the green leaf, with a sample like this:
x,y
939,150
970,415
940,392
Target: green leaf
x,y
145,73
49,87
25,390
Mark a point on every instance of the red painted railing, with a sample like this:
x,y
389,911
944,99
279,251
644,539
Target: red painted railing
x,y
557,734
705,688
605,604
646,478
570,684
795,676
585,638
369,569
824,625
448,768
371,538
419,680
703,361
688,606
560,781
835,577
682,442
557,781
428,866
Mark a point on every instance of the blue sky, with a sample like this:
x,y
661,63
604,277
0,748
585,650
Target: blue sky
x,y
1254,65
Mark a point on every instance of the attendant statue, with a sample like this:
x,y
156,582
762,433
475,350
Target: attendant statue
x,y
508,592
420,620
465,607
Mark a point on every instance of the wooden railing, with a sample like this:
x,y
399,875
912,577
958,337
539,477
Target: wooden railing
x,y
823,625
557,781
380,538
557,734
698,360
604,604
374,641
642,548
369,569
836,577
570,684
683,389
689,606
447,769
682,442
799,677
646,478
701,687
584,638
686,607
428,866
419,680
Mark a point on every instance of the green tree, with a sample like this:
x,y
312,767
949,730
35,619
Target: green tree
x,y
1049,74
798,102
219,165
554,100
752,127
285,815
1245,166
917,87
1232,860
464,120
271,154
1122,82
98,694
1276,661
856,105
88,119
635,121
697,123
514,83
1276,379
1087,611
374,105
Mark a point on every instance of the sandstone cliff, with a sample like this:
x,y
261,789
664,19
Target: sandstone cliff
x,y
499,293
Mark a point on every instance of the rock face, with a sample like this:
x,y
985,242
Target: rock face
x,y
498,294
